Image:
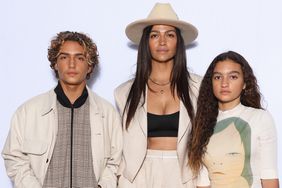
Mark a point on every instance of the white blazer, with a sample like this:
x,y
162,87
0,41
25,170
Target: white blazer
x,y
135,138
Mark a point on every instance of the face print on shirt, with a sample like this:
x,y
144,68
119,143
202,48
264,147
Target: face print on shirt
x,y
228,154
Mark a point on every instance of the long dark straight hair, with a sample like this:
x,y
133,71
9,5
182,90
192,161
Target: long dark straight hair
x,y
207,106
179,79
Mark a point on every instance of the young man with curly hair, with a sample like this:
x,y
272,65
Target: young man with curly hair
x,y
69,136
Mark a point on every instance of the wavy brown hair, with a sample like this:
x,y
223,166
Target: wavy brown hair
x,y
85,41
180,76
207,107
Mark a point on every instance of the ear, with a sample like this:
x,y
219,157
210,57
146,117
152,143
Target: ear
x,y
244,87
56,66
90,69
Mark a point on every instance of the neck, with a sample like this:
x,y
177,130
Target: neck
x,y
161,72
73,91
227,106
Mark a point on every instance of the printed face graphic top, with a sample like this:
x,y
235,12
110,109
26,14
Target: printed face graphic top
x,y
228,154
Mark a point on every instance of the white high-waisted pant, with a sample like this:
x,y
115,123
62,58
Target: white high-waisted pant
x,y
159,170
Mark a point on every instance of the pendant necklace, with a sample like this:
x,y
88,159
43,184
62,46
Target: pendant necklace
x,y
159,84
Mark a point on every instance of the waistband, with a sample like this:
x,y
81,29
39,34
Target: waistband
x,y
161,154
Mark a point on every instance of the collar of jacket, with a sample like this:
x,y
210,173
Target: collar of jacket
x,y
63,99
50,104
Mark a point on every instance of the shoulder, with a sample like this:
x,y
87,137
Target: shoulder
x,y
124,87
195,80
39,102
99,101
195,77
257,113
102,106
194,84
262,124
122,91
258,117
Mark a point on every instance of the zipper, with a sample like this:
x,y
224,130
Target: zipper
x,y
71,145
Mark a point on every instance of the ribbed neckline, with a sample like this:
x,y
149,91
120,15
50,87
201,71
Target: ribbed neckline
x,y
63,99
231,112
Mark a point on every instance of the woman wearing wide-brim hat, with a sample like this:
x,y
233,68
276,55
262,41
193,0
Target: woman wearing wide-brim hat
x,y
158,104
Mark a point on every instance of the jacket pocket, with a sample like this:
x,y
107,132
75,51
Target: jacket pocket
x,y
35,147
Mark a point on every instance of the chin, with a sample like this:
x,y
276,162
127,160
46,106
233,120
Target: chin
x,y
72,82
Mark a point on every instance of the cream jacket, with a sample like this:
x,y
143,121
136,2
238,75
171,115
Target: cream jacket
x,y
32,137
135,138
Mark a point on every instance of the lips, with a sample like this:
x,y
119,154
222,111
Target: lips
x,y
71,73
225,92
162,50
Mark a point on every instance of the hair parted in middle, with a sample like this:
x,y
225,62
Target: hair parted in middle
x,y
85,41
207,107
179,77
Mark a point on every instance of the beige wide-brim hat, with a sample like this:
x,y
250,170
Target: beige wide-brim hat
x,y
161,14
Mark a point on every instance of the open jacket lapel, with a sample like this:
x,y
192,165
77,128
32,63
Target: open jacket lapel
x,y
141,117
141,114
184,121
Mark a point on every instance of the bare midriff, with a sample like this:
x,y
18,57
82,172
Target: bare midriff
x,y
162,143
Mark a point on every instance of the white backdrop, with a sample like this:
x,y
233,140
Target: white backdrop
x,y
252,28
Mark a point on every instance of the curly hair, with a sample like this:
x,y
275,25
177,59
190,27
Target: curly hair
x,y
207,107
85,41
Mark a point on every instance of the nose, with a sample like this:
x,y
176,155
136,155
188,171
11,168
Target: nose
x,y
224,82
162,40
72,62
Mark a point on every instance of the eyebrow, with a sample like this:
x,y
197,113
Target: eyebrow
x,y
157,31
65,53
231,72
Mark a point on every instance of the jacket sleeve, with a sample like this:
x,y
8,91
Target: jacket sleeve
x,y
268,147
16,161
120,96
109,175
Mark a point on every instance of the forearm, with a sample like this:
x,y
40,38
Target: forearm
x,y
270,183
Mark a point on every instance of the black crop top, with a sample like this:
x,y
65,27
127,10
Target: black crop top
x,y
163,125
